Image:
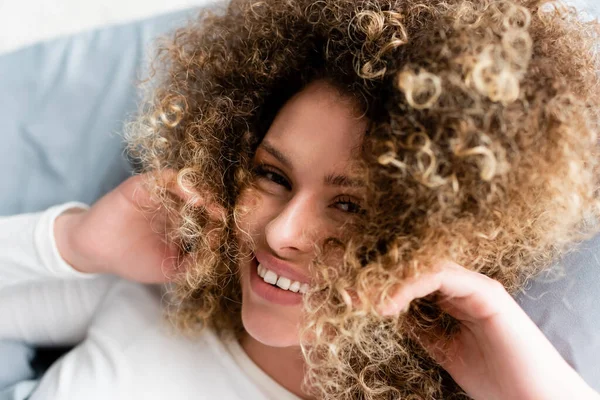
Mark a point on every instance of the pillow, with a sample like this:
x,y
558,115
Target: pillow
x,y
62,107
562,302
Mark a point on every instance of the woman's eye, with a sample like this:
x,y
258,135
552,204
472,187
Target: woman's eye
x,y
264,171
347,205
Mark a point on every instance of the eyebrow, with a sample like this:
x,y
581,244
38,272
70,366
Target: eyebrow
x,y
330,179
343,181
276,153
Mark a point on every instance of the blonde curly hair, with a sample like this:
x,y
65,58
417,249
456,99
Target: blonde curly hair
x,y
481,148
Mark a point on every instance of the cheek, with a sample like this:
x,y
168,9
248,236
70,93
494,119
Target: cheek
x,y
253,212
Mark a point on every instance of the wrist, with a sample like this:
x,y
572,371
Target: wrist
x,y
65,233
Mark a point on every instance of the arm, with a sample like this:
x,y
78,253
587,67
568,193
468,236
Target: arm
x,y
125,232
43,300
51,313
28,251
122,234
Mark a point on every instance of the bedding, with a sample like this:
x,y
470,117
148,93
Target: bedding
x,y
62,106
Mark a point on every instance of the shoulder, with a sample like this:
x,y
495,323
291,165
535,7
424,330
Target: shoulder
x,y
132,351
101,367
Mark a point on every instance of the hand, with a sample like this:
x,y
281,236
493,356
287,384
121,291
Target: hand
x,y
499,353
123,233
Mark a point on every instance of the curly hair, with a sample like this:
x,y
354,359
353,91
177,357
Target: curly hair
x,y
481,148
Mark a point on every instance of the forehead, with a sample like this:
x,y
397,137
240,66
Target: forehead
x,y
319,127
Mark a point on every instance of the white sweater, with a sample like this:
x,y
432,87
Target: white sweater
x,y
125,348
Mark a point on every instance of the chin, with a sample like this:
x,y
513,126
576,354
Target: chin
x,y
269,329
270,324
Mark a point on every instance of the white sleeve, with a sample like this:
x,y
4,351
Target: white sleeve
x,y
43,300
122,343
28,250
51,313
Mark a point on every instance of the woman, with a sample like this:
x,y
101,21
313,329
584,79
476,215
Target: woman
x,y
315,167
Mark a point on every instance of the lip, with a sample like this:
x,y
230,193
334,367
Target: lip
x,y
271,293
280,268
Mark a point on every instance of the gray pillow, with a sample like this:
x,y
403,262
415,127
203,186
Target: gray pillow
x,y
62,104
562,302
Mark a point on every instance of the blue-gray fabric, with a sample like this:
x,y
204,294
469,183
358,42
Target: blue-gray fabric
x,y
15,358
62,107
563,303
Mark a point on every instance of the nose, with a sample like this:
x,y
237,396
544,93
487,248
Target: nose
x,y
294,227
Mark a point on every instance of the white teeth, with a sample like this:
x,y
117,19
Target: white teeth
x,y
270,277
281,281
294,287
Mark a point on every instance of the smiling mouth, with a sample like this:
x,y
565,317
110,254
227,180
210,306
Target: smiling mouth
x,y
272,292
281,282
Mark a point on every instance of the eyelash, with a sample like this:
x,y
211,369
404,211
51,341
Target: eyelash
x,y
263,170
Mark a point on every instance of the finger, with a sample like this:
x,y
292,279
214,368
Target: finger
x,y
466,295
412,288
176,186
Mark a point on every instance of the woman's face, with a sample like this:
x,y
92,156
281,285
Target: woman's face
x,y
306,189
